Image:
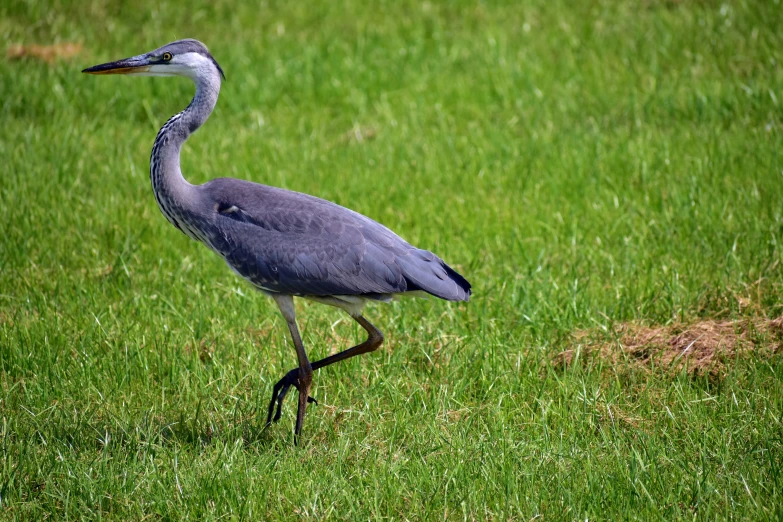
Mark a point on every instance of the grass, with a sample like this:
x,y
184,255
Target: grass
x,y
586,165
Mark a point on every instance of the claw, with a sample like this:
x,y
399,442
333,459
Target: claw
x,y
279,392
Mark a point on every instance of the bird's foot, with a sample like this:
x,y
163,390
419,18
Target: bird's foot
x,y
280,391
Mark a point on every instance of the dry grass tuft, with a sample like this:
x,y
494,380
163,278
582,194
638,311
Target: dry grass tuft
x,y
359,134
701,348
47,53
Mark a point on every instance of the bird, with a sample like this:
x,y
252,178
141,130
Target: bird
x,y
286,244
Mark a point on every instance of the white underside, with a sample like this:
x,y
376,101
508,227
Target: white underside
x,y
354,304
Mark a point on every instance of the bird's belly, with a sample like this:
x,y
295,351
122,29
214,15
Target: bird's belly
x,y
353,304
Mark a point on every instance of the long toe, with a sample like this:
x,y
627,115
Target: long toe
x,y
279,392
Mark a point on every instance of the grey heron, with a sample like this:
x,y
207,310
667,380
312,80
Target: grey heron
x,y
286,244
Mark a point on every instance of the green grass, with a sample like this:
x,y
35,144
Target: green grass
x,y
584,164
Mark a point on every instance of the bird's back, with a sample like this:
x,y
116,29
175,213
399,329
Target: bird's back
x,y
289,242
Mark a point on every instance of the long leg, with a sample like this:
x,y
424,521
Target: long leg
x,y
305,370
373,342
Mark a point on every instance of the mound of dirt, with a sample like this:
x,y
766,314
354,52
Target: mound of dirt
x,y
701,348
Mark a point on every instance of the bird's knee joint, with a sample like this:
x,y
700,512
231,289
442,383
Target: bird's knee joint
x,y
305,376
376,340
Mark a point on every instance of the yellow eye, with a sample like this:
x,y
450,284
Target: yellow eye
x,y
166,57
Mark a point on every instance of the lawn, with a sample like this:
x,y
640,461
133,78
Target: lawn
x,y
608,175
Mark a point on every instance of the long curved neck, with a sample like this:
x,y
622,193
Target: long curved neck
x,y
176,197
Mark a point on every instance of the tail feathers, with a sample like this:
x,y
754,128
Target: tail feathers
x,y
462,283
429,273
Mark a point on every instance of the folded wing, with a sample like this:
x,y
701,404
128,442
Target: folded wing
x,y
293,243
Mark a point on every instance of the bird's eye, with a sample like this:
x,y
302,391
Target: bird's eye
x,y
166,57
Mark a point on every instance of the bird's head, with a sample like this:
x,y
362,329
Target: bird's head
x,y
189,58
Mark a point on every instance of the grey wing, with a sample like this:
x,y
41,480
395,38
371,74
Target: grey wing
x,y
297,244
310,265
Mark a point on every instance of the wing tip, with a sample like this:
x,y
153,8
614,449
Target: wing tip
x,y
464,288
452,288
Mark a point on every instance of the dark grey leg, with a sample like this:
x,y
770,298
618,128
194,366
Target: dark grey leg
x,y
373,342
305,370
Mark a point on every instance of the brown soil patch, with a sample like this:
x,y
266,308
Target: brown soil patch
x,y
47,53
205,349
701,348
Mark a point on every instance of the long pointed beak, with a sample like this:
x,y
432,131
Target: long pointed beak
x,y
136,64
